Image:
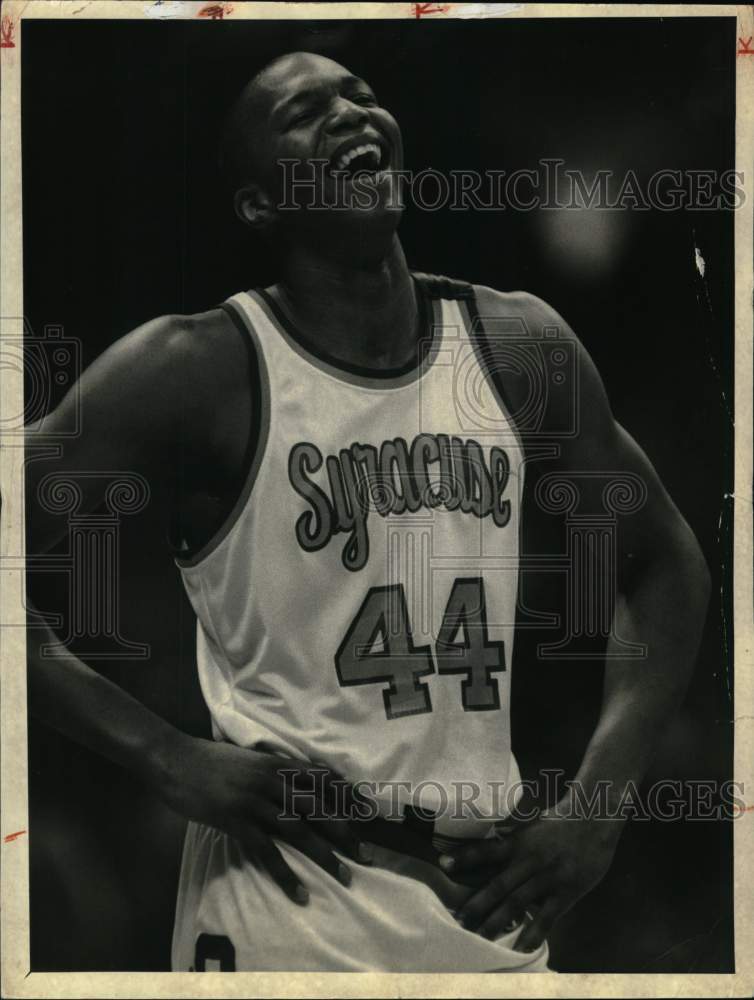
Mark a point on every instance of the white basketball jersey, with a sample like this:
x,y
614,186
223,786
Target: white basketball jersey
x,y
358,607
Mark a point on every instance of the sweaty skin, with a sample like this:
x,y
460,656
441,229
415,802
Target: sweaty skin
x,y
150,404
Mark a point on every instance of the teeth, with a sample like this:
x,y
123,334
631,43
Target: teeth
x,y
343,161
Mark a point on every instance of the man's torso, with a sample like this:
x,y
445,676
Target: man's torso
x,y
357,605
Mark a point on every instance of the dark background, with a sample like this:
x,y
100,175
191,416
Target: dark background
x,y
125,219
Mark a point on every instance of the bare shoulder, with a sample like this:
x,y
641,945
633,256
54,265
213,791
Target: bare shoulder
x,y
583,392
170,364
149,403
181,346
154,389
535,312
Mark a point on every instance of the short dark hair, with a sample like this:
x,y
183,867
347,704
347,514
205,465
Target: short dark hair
x,y
236,153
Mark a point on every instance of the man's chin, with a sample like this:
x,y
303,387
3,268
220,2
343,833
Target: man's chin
x,y
366,191
376,219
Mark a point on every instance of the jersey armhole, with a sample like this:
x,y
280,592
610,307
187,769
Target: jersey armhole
x,y
480,339
184,555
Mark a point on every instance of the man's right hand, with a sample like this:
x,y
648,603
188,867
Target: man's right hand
x,y
258,798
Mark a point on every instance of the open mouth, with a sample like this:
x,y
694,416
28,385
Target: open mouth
x,y
366,158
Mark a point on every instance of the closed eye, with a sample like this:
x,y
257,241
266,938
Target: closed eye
x,y
367,100
301,118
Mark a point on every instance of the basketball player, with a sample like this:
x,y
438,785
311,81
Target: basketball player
x,y
314,436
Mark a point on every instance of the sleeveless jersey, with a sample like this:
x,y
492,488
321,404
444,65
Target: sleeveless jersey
x,y
358,606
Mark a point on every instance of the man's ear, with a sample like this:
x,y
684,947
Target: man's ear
x,y
254,207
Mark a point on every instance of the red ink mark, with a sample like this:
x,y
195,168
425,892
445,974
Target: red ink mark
x,y
421,9
6,34
215,11
745,49
739,810
13,836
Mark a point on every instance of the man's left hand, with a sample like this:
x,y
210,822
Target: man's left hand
x,y
542,867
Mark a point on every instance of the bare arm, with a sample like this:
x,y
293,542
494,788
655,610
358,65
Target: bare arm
x,y
149,405
662,586
135,410
661,602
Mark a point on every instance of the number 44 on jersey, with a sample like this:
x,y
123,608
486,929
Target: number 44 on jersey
x,y
463,647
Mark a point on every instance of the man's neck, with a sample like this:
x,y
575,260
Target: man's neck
x,y
361,313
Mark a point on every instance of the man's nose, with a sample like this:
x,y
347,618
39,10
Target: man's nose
x,y
346,115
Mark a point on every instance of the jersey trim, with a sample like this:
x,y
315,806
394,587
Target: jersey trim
x,y
257,441
485,355
438,286
430,320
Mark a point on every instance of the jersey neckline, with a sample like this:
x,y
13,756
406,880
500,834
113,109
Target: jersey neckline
x,y
380,378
